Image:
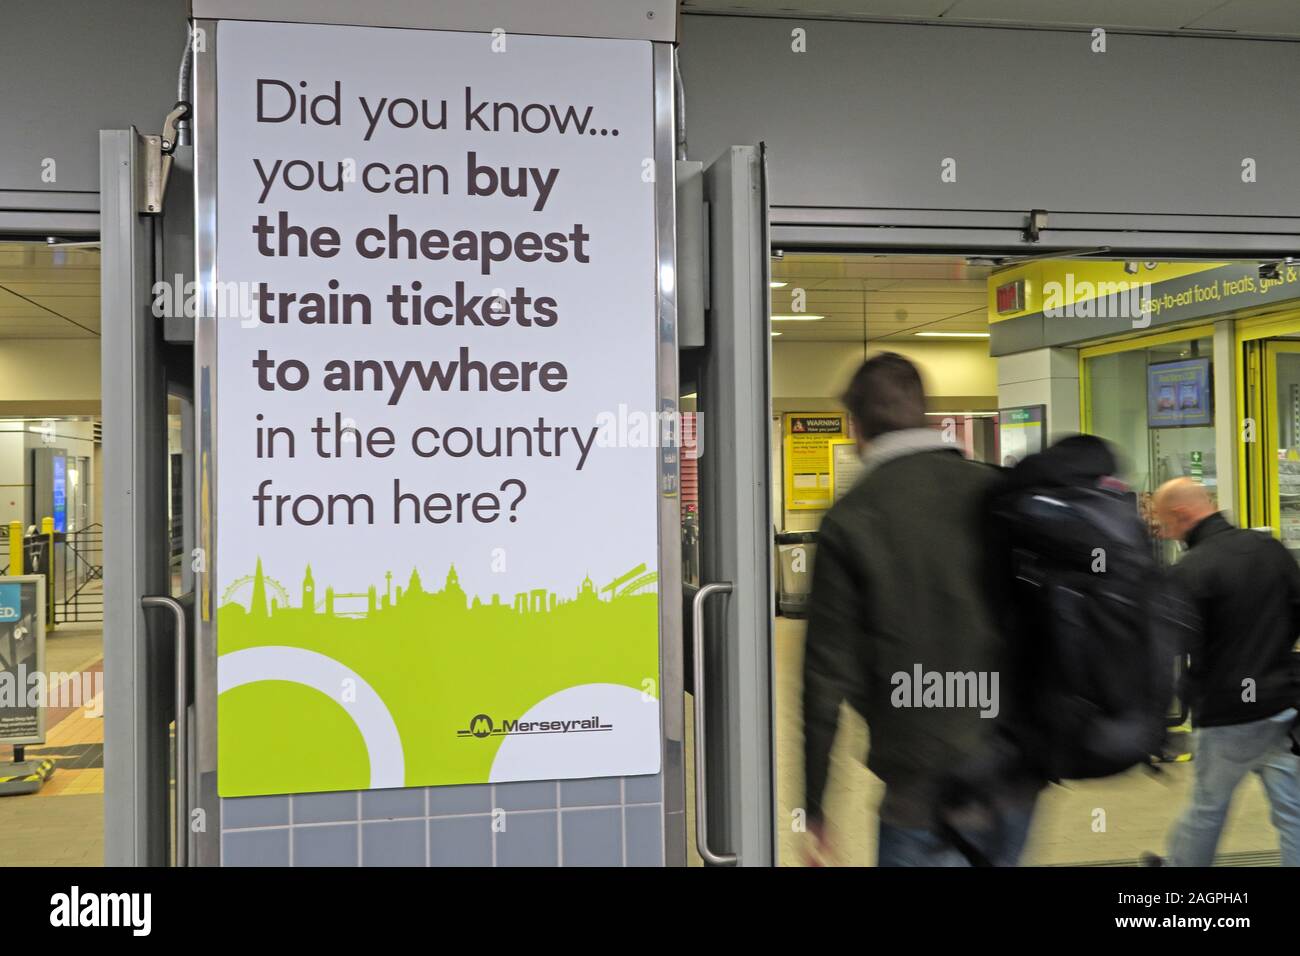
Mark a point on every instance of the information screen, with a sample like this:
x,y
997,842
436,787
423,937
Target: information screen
x,y
1178,394
1021,433
22,661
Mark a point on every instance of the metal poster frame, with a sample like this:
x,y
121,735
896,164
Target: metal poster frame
x,y
1042,423
38,616
206,845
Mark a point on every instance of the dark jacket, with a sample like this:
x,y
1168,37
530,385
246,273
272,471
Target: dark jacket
x,y
1246,588
899,581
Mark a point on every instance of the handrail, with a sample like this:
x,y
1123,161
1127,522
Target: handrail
x,y
701,774
182,723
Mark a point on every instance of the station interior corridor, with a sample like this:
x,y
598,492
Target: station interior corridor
x,y
937,312
1139,806
62,824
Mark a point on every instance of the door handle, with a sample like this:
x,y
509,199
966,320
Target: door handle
x,y
182,724
701,777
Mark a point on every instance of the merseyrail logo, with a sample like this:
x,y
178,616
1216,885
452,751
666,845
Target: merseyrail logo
x,y
481,726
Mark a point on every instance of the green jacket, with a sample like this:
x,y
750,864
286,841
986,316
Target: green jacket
x,y
899,583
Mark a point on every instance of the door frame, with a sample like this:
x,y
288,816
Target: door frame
x,y
1272,504
1006,232
137,691
732,628
815,231
1257,465
672,679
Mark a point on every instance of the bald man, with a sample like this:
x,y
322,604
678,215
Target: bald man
x,y
1243,681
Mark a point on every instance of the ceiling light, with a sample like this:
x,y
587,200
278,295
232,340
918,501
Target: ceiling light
x,y
777,285
775,334
802,317
954,335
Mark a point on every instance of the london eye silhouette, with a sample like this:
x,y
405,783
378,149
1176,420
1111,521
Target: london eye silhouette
x,y
241,590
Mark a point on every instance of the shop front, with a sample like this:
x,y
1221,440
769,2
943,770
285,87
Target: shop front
x,y
1190,369
1152,398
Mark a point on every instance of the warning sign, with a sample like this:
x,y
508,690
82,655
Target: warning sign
x,y
808,440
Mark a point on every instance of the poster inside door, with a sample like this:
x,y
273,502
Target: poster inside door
x,y
437,480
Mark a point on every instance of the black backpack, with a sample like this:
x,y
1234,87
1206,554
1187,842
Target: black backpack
x,y
1093,636
1094,629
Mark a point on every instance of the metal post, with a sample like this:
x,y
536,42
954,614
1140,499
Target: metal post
x,y
15,548
47,529
135,562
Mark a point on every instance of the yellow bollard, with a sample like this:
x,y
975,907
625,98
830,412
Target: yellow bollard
x,y
15,548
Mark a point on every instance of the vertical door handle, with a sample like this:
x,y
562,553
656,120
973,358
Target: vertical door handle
x,y
701,776
182,724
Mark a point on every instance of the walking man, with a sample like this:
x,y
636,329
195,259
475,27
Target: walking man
x,y
1243,681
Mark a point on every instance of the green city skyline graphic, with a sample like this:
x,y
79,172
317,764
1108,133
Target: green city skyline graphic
x,y
436,658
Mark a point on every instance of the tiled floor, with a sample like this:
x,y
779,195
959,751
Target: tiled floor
x,y
36,829
1135,808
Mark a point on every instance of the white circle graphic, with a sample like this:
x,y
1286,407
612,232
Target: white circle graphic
x,y
322,673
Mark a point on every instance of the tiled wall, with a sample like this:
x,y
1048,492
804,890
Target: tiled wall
x,y
608,821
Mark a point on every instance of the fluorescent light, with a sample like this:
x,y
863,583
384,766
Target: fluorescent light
x,y
775,334
954,335
777,285
808,317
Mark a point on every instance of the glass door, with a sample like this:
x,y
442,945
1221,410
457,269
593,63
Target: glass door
x,y
727,528
1152,398
1281,396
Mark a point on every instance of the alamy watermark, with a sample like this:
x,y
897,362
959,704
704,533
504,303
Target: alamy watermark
x,y
946,689
1098,300
23,688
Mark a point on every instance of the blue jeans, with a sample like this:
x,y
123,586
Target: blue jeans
x,y
908,846
1223,758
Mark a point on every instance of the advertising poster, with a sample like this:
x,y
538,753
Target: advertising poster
x,y
846,466
808,439
22,660
1178,394
1020,433
437,470
60,492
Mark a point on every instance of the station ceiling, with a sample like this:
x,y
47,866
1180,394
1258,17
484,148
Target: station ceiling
x,y
53,292
870,298
48,292
1272,18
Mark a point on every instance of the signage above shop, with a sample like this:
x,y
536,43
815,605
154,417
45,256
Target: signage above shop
x,y
1079,302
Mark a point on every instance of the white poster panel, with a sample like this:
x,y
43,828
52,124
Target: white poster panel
x,y
436,462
